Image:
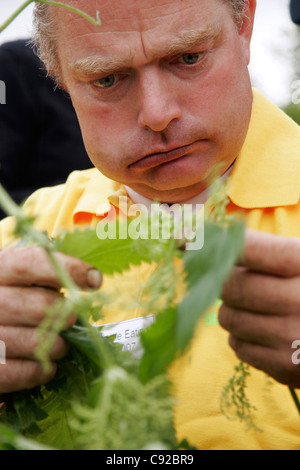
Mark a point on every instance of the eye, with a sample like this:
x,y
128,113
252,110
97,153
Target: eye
x,y
106,82
190,58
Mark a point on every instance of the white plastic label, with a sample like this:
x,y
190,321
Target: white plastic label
x,y
128,332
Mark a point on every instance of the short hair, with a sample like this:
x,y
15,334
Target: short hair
x,y
45,33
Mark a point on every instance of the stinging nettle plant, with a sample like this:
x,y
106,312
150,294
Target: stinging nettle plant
x,y
97,381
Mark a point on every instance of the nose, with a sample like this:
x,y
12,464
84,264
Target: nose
x,y
158,106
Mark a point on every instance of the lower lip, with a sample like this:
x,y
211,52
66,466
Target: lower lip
x,y
161,158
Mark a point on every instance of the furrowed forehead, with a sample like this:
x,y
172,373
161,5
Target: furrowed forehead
x,y
105,63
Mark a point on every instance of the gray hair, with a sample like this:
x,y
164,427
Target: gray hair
x,y
45,33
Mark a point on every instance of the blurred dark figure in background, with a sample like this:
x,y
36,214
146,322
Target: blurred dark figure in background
x,y
40,138
295,11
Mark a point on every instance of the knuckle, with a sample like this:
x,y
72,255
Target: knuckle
x,y
25,305
35,375
226,291
226,318
26,256
21,265
82,273
76,268
40,299
20,341
71,264
293,296
233,289
5,299
59,349
235,344
289,330
19,375
243,352
237,347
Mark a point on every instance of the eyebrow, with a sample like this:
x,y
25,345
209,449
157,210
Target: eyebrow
x,y
183,42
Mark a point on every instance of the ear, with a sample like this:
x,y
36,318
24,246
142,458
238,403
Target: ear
x,y
246,28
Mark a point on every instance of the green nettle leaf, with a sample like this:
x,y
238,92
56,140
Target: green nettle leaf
x,y
23,412
159,344
81,341
12,440
207,270
110,255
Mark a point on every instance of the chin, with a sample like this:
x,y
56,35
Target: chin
x,y
170,195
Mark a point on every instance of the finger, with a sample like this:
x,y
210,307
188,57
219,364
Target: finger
x,y
276,363
254,354
21,342
30,266
258,292
25,306
20,374
271,254
273,332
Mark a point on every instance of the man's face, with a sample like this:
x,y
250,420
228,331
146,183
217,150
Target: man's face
x,y
161,90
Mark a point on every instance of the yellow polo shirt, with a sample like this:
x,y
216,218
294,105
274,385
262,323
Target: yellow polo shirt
x,y
264,185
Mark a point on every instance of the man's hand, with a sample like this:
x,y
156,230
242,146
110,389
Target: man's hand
x,y
261,307
28,284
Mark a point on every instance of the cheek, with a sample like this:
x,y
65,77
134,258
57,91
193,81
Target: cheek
x,y
223,87
100,125
224,98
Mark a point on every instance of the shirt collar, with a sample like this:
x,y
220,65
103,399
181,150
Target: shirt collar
x,y
266,172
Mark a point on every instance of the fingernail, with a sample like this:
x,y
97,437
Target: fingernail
x,y
94,279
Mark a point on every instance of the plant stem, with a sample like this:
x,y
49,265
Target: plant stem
x,y
96,22
12,209
7,204
14,15
295,398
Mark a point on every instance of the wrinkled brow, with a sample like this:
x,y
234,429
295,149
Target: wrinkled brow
x,y
182,43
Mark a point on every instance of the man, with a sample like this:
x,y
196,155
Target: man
x,y
163,96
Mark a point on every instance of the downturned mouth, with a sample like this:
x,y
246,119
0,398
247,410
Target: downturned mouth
x,y
159,158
